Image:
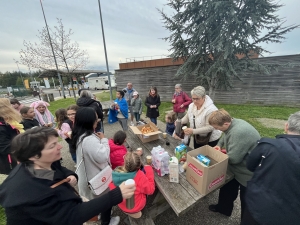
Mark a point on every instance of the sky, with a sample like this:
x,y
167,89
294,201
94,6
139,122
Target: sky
x,y
133,29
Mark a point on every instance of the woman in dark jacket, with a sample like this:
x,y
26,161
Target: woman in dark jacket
x,y
31,194
9,128
86,100
152,102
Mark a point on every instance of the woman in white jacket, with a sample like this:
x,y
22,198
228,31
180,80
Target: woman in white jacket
x,y
197,115
95,149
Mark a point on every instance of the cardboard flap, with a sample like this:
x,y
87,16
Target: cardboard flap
x,y
135,130
152,133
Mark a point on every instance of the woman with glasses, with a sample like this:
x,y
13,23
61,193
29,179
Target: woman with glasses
x,y
197,116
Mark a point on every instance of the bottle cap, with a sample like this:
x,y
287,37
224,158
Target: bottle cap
x,y
129,181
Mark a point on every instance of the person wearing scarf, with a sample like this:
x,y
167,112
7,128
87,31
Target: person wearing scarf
x,y
9,128
119,111
152,102
42,114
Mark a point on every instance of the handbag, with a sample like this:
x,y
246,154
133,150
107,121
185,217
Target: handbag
x,y
203,140
101,181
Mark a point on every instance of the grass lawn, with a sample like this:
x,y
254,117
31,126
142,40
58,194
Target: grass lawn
x,y
2,216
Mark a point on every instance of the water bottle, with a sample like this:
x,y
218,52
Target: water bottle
x,y
130,201
178,127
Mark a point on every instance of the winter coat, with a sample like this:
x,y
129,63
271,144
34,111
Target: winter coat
x,y
28,123
128,95
122,108
239,140
117,153
145,185
152,100
96,157
273,193
89,102
29,200
7,133
201,119
181,98
170,127
137,105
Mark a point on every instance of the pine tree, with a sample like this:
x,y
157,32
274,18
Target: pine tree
x,y
218,38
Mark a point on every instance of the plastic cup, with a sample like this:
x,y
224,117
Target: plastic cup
x,y
184,127
149,159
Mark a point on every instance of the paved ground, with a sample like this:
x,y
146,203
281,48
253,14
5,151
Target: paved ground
x,y
198,215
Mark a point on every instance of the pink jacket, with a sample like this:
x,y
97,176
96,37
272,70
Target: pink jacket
x,y
117,153
180,99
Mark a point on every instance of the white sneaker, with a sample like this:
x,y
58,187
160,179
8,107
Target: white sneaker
x,y
132,123
114,220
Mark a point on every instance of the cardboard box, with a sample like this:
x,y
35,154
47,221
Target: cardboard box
x,y
149,136
206,178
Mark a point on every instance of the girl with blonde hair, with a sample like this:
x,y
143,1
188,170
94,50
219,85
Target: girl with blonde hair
x,y
9,128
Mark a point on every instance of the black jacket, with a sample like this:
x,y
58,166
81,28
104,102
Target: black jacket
x,y
88,102
150,100
30,201
273,193
7,133
28,123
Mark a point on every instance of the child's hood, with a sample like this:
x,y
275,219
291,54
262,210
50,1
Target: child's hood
x,y
119,176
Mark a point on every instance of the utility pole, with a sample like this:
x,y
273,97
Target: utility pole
x,y
59,77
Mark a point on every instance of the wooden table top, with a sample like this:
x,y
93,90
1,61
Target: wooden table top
x,y
181,196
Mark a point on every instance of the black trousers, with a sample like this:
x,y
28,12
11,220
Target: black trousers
x,y
211,144
105,217
228,194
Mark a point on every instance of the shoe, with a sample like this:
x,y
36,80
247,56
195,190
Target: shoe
x,y
132,123
114,220
213,208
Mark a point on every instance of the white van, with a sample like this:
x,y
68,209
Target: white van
x,y
97,83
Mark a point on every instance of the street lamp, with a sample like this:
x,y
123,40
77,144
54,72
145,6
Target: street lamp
x,y
20,73
108,75
59,77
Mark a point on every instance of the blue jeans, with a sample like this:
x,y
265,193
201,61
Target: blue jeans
x,y
137,116
154,120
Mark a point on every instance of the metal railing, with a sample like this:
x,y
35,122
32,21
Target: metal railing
x,y
143,58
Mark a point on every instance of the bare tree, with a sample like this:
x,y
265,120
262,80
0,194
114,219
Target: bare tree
x,y
68,54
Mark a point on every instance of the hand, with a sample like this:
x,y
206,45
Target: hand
x,y
127,190
173,100
100,135
188,131
73,180
176,137
99,120
182,106
218,148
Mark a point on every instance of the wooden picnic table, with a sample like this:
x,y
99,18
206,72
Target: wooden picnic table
x,y
180,196
106,105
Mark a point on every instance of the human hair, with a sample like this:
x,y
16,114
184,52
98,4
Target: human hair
x,y
61,117
84,125
198,91
86,94
121,93
7,112
294,123
153,88
31,143
24,110
171,117
14,101
178,86
219,117
73,107
119,137
132,162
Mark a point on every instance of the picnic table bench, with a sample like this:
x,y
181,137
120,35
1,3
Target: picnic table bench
x,y
180,196
105,106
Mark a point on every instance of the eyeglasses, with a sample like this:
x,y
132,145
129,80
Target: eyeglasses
x,y
196,99
72,114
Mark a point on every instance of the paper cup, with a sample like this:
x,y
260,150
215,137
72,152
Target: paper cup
x,y
184,127
165,135
149,159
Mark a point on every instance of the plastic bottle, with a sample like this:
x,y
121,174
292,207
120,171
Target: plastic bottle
x,y
130,201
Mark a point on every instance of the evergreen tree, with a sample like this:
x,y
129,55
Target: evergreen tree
x,y
217,38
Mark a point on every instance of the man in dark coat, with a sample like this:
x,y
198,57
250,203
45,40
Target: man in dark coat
x,y
86,100
273,193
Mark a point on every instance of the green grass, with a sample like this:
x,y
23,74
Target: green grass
x,y
105,96
2,216
62,103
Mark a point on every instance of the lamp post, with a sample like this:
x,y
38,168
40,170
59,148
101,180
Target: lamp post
x,y
59,77
20,72
108,75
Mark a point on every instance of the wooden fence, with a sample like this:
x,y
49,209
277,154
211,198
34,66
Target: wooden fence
x,y
279,88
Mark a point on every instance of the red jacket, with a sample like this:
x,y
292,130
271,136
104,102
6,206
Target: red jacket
x,y
144,186
180,99
117,153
